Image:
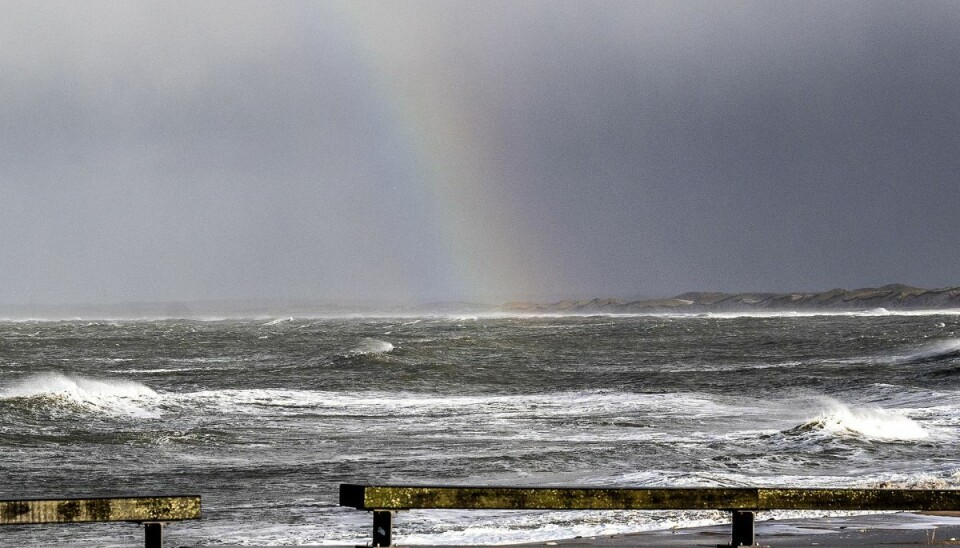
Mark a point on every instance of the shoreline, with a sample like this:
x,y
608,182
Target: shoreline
x,y
886,529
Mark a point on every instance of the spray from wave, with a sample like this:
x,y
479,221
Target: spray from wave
x,y
933,352
371,346
112,396
866,423
278,321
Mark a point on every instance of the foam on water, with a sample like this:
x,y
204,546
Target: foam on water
x,y
113,396
948,480
516,527
158,371
559,404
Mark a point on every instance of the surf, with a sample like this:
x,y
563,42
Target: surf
x,y
106,395
870,423
371,346
932,352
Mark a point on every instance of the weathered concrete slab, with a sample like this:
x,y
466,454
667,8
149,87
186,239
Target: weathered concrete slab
x,y
860,499
20,512
544,498
367,497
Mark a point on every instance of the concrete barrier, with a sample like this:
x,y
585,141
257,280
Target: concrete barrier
x,y
152,512
742,503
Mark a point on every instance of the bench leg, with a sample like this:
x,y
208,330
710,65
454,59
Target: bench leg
x,y
382,528
152,535
742,528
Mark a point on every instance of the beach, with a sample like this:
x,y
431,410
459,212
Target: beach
x,y
886,529
899,529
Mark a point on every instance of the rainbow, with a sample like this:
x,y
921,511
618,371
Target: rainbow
x,y
488,250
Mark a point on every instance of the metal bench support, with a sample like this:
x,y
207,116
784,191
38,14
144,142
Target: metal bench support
x,y
742,528
382,528
153,534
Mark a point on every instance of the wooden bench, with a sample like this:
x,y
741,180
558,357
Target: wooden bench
x,y
742,503
152,512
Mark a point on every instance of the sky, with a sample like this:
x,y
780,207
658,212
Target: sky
x,y
421,151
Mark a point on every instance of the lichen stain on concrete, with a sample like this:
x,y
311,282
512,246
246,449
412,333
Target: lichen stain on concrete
x,y
159,507
747,499
68,510
98,509
555,498
15,509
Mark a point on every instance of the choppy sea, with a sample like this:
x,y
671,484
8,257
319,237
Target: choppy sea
x,y
265,417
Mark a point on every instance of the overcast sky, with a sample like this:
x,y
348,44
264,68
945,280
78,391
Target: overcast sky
x,y
482,150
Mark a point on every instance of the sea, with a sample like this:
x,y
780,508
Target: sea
x,y
265,417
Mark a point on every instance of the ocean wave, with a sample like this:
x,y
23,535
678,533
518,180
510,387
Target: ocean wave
x,y
920,481
611,412
371,346
873,424
112,396
931,352
278,321
163,370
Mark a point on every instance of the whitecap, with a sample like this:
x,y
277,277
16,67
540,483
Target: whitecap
x,y
871,423
372,346
115,396
278,321
932,352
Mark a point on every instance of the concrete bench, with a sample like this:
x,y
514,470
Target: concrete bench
x,y
152,512
742,503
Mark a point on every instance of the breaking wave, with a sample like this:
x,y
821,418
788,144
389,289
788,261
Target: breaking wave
x,y
933,352
868,423
114,396
371,346
278,321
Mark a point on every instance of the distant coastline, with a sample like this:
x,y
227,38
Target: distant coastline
x,y
893,298
889,297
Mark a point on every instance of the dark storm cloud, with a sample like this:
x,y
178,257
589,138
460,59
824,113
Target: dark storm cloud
x,y
217,150
742,146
